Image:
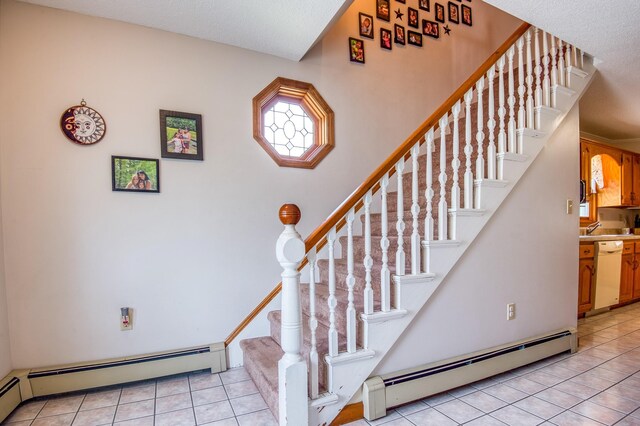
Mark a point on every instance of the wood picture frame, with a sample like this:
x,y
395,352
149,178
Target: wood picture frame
x,y
399,34
439,16
365,23
467,17
356,50
424,5
181,135
454,13
430,28
383,10
414,38
412,18
135,174
386,39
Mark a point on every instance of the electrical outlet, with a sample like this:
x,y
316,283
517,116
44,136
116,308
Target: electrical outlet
x,y
511,311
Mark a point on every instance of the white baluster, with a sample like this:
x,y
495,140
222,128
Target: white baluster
x,y
429,193
368,260
350,281
385,274
468,150
332,301
538,71
415,211
574,52
292,367
561,68
443,212
567,62
546,84
502,112
521,93
511,100
480,132
491,125
455,162
554,69
530,109
581,59
313,326
400,258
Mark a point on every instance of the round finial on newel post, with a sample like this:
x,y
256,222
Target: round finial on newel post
x,y
289,214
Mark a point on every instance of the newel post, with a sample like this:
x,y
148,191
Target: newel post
x,y
292,368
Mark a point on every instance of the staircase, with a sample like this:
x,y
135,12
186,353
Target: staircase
x,y
418,213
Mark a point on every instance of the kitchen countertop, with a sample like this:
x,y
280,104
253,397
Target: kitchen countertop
x,y
608,237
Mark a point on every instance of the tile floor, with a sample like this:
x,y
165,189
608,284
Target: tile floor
x,y
600,384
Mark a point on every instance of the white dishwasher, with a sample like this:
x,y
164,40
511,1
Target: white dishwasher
x,y
608,265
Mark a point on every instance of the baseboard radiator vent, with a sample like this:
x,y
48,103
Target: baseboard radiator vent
x,y
21,385
392,390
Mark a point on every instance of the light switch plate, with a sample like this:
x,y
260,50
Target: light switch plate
x,y
569,206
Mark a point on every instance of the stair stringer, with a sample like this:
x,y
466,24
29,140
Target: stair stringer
x,y
347,372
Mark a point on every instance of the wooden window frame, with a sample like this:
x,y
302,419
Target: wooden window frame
x,y
308,98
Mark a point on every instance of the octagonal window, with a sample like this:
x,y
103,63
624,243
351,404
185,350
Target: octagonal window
x,y
293,123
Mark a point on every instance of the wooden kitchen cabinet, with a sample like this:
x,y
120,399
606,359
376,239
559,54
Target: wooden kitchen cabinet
x,y
635,184
628,272
636,274
627,198
585,278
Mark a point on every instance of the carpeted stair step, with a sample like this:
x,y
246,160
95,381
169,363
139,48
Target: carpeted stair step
x,y
376,250
261,356
340,267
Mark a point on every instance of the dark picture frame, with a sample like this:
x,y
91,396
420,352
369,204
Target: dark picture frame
x,y
135,174
439,13
414,38
424,5
365,31
181,135
386,39
467,17
383,10
412,18
430,28
399,34
454,13
356,50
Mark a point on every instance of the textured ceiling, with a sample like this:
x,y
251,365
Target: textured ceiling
x,y
284,28
609,31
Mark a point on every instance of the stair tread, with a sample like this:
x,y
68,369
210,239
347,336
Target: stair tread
x,y
261,356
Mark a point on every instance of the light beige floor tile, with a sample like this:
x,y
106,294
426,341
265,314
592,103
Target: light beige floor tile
x,y
97,416
430,417
226,422
598,412
615,402
100,399
182,417
461,391
172,386
505,393
592,381
143,421
234,375
538,407
629,421
437,399
238,389
543,378
413,407
63,405
138,393
514,416
204,381
525,385
569,418
59,420
213,412
391,415
575,389
485,421
135,410
248,404
26,411
559,398
483,401
173,403
208,396
459,411
258,418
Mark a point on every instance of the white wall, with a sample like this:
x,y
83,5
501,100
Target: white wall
x,y
196,258
527,254
5,344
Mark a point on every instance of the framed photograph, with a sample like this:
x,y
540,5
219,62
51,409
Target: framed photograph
x,y
430,28
424,5
454,13
399,34
439,13
181,135
413,17
467,19
383,10
356,50
385,38
366,25
135,174
415,38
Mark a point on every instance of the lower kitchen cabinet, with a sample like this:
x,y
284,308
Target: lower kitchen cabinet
x,y
628,272
585,280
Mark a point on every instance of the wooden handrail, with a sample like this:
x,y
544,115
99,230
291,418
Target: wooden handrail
x,y
337,217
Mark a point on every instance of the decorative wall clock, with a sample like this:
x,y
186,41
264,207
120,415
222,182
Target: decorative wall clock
x,y
82,124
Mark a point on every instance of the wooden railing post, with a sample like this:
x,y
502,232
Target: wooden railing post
x,y
292,367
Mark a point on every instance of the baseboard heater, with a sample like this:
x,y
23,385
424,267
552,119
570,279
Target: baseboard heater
x,y
392,390
21,385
